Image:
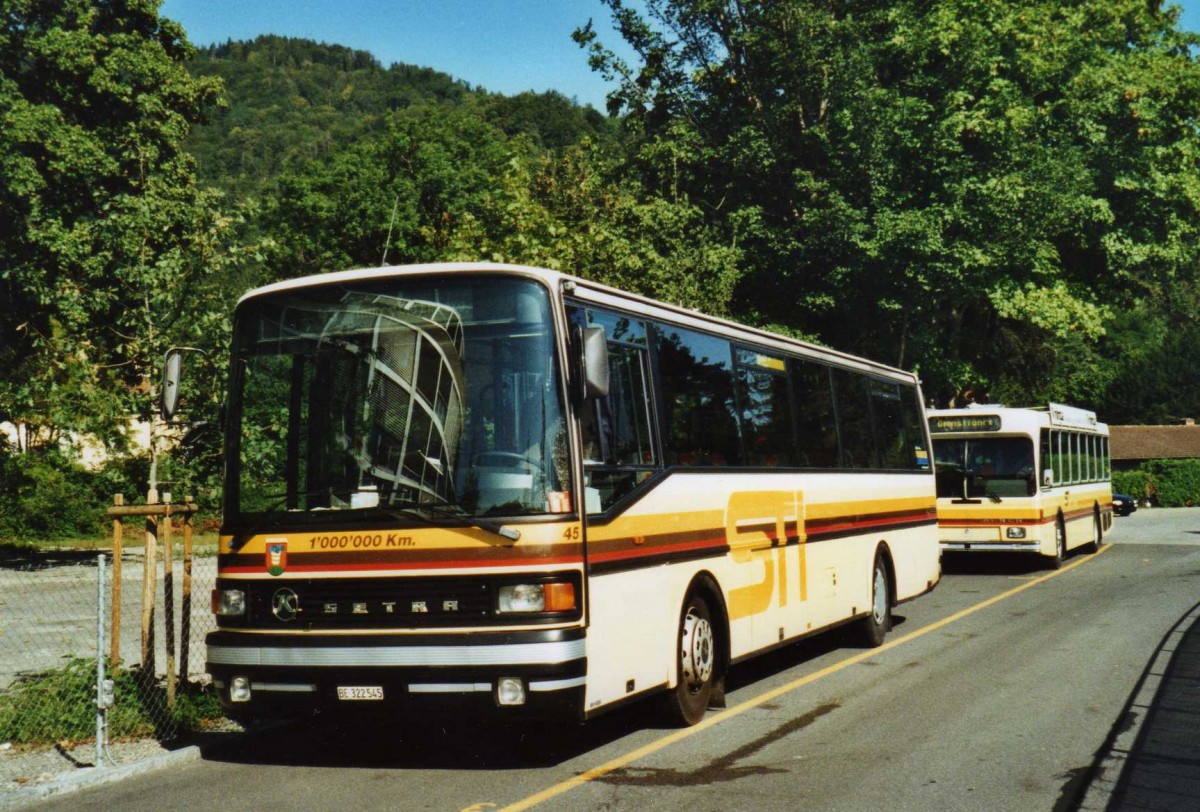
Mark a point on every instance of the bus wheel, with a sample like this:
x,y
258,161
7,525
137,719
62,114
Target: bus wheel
x,y
697,660
875,626
1060,545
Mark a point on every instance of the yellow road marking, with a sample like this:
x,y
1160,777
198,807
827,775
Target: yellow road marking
x,y
714,719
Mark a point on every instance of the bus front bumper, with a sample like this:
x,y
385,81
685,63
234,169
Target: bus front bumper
x,y
992,546
538,674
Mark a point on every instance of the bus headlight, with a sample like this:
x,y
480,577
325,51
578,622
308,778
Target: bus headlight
x,y
239,689
1015,532
551,597
228,602
510,691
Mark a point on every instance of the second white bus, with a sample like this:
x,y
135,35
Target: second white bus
x,y
1021,479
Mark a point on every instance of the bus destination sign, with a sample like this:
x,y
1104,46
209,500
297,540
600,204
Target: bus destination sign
x,y
974,422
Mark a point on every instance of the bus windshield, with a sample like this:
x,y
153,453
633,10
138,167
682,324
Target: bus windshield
x,y
993,467
427,397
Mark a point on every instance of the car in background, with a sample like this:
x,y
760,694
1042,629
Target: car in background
x,y
1123,504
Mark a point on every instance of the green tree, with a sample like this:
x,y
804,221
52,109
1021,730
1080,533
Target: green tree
x,y
574,212
396,196
447,182
293,101
973,187
109,253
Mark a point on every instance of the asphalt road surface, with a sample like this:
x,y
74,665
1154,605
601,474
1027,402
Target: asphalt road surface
x,y
1007,688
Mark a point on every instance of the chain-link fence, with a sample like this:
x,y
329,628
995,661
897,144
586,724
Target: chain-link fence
x,y
50,605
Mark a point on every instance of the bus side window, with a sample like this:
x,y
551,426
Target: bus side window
x,y
766,410
897,434
916,446
1047,455
817,439
854,420
700,425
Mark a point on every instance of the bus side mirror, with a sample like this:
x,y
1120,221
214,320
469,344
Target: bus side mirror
x,y
593,368
595,363
1048,478
169,396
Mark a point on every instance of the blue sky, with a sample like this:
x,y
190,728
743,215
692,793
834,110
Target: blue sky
x,y
506,46
1190,19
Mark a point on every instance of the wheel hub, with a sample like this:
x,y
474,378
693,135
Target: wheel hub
x,y
880,604
697,651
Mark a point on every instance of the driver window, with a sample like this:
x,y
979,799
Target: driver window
x,y
618,446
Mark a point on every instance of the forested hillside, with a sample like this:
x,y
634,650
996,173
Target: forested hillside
x,y
1004,196
291,101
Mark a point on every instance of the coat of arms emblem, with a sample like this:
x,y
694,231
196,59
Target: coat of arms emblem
x,y
276,557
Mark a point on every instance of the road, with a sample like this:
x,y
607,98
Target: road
x,y
48,610
1004,689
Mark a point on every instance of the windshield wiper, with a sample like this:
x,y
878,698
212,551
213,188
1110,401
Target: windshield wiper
x,y
967,480
989,493
431,513
446,514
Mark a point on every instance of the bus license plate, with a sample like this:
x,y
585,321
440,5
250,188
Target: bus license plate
x,y
360,692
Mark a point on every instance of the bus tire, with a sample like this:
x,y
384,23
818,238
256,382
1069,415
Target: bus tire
x,y
696,660
1060,544
1097,533
875,626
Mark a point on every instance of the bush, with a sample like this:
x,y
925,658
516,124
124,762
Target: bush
x,y
1176,482
45,495
1138,484
1166,483
60,705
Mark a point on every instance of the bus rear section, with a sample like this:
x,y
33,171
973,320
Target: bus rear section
x,y
1024,480
742,492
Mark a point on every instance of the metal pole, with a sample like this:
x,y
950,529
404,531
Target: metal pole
x,y
168,599
118,548
185,621
100,706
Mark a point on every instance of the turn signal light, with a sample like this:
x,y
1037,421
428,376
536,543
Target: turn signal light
x,y
560,597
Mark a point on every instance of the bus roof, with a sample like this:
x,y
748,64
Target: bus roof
x,y
979,418
599,292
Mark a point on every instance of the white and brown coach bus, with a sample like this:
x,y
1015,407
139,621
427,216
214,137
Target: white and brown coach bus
x,y
500,487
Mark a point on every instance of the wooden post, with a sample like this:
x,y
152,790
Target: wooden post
x,y
149,582
185,620
114,656
168,599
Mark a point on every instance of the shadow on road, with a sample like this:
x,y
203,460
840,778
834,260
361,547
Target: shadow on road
x,y
1151,759
400,741
28,559
453,742
1003,563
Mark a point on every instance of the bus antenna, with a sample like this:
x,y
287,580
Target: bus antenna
x,y
388,240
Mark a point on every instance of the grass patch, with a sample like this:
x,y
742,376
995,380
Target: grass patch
x,y
59,706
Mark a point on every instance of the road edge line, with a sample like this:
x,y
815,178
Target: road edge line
x,y
715,719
